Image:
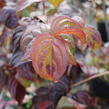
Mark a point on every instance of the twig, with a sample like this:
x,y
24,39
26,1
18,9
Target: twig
x,y
69,69
88,79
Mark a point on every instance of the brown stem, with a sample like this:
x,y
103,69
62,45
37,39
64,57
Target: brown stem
x,y
90,78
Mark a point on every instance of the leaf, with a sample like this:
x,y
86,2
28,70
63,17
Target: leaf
x,y
26,71
83,97
51,12
77,33
71,49
72,28
17,35
15,46
42,99
44,104
4,96
22,4
79,20
16,58
9,18
49,56
16,89
6,101
3,79
86,34
25,41
93,37
68,103
56,3
62,22
26,13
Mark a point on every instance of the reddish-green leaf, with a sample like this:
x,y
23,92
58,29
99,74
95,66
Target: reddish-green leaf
x,y
61,22
76,26
77,33
93,37
49,56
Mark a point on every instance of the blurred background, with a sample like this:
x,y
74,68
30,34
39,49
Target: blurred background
x,y
94,12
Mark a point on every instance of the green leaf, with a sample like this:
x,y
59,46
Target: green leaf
x,y
26,83
29,104
4,96
26,12
52,11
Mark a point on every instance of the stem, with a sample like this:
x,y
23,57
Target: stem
x,y
90,78
69,69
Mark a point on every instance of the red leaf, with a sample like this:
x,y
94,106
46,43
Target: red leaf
x,y
16,89
49,56
61,22
26,71
76,26
93,37
77,33
44,104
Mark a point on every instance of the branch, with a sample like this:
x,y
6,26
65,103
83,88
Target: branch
x,y
90,78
